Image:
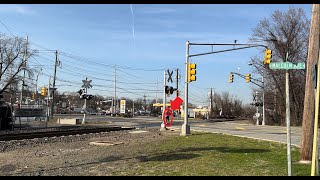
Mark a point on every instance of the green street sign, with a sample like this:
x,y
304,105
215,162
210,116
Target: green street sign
x,y
286,65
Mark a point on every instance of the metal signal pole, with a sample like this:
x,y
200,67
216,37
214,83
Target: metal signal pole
x,y
288,119
185,129
163,126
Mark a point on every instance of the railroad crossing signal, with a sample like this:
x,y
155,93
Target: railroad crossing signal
x,y
170,76
86,84
267,56
192,72
170,90
81,91
248,77
231,78
89,96
167,90
44,91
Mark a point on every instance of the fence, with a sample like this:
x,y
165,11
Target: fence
x,y
30,115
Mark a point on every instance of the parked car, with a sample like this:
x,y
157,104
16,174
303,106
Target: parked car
x,y
144,112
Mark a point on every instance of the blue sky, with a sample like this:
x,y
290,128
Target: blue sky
x,y
142,40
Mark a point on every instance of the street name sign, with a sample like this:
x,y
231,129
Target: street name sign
x,y
287,65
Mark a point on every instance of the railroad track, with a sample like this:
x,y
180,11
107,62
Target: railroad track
x,y
57,133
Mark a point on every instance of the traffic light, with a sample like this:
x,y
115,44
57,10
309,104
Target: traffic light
x,y
178,93
33,96
267,56
44,91
192,72
248,77
231,78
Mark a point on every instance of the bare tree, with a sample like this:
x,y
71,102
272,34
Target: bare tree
x,y
284,32
231,106
13,60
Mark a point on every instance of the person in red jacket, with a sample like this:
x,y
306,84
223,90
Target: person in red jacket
x,y
168,114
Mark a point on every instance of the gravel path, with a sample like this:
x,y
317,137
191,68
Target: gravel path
x,y
74,156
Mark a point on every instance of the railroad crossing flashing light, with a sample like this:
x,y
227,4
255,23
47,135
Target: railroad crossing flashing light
x,y
88,97
83,96
231,78
267,56
171,90
43,91
167,90
192,72
248,77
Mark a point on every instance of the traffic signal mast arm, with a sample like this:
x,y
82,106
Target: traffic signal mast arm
x,y
233,49
244,77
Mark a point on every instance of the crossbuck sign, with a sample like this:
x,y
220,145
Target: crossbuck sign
x,y
86,84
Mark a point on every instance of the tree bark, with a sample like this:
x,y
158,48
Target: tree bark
x,y
309,104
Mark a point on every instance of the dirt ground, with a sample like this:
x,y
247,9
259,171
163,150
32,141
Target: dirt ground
x,y
75,156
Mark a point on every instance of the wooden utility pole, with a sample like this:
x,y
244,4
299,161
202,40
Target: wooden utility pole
x,y
24,71
115,90
54,83
211,104
145,104
309,104
1,61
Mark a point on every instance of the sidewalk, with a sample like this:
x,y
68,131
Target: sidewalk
x,y
268,133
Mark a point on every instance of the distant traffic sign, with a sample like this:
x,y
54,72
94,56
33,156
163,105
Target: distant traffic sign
x,y
286,65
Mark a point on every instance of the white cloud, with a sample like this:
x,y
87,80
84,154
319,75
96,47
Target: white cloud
x,y
148,36
16,9
158,10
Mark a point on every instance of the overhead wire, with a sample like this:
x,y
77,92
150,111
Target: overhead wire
x,y
94,63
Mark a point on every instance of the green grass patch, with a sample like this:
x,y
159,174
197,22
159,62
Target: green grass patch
x,y
206,154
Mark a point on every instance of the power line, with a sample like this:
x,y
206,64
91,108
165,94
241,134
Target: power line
x,y
66,54
139,69
136,83
7,28
107,65
93,77
41,65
